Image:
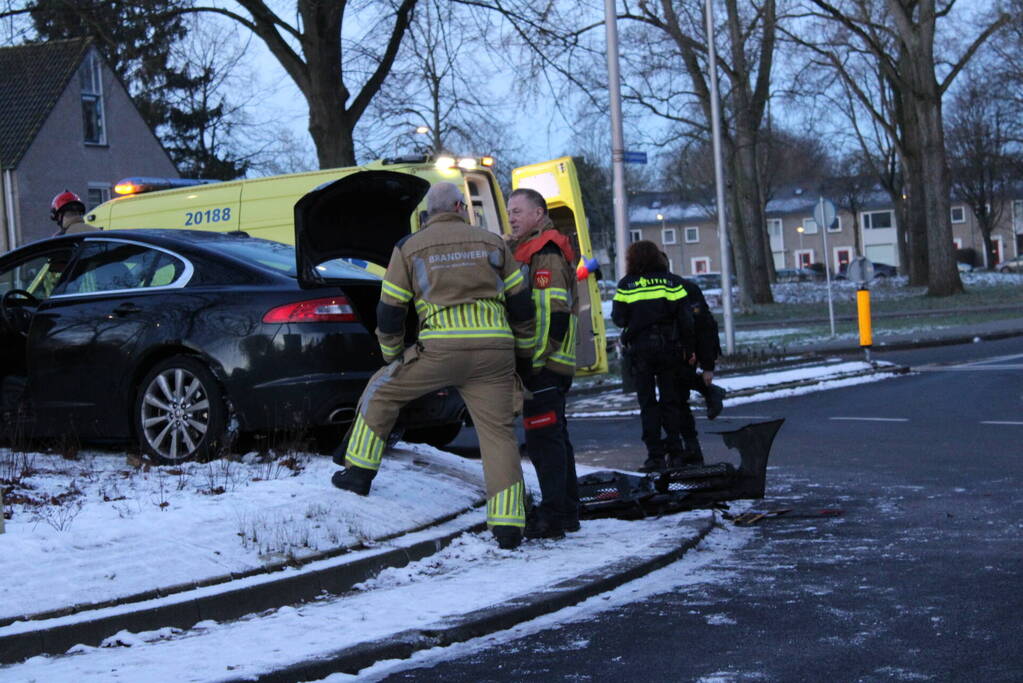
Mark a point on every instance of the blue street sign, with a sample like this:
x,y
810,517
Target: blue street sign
x,y
634,157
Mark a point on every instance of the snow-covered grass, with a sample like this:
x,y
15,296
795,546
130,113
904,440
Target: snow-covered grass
x,y
96,528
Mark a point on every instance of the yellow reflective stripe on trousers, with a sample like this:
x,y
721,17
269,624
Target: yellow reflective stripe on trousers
x,y
365,448
507,507
394,291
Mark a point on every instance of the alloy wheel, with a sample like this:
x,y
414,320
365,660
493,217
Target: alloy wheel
x,y
175,413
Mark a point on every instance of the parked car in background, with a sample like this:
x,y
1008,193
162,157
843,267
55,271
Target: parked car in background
x,y
1012,265
881,270
797,275
178,339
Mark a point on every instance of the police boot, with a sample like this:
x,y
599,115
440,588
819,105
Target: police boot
x,y
507,537
354,479
654,463
715,400
692,454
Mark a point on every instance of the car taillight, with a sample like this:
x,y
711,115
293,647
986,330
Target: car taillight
x,y
336,309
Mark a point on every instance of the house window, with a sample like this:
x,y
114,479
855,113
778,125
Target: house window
x,y
692,235
958,214
92,100
804,257
774,227
837,227
877,220
700,265
668,236
957,242
809,226
97,194
635,236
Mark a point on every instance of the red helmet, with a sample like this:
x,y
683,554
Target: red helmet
x,y
64,201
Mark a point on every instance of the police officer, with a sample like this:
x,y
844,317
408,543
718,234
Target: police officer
x,y
652,308
547,257
708,348
67,211
475,315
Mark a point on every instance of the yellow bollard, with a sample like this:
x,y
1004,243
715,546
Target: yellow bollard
x,y
863,309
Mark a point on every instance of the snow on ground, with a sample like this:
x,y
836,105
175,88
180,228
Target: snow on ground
x,y
469,575
821,377
120,530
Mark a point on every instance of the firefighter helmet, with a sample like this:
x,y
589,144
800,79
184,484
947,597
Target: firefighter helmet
x,y
64,201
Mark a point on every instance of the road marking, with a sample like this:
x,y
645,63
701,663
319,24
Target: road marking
x,y
1000,422
872,419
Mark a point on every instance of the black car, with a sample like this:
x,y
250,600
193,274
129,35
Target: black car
x,y
181,339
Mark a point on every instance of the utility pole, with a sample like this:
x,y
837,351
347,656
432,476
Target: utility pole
x,y
614,87
719,181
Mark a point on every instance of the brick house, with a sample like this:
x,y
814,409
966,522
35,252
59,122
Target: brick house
x,y
689,236
66,122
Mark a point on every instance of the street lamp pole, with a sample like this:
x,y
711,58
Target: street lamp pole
x,y
614,87
719,181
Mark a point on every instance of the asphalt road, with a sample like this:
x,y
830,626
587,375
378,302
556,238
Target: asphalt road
x,y
902,558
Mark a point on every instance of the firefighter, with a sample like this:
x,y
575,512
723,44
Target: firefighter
x,y
652,308
67,211
475,316
548,259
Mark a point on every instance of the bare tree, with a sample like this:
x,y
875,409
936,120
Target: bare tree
x,y
984,162
438,96
337,53
912,68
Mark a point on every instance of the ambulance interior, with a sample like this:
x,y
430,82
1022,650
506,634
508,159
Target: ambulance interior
x,y
564,220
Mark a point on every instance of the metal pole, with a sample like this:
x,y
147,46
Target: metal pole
x,y
614,87
827,265
719,181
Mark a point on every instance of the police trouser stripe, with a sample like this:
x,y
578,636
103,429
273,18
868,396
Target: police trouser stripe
x,y
365,448
507,507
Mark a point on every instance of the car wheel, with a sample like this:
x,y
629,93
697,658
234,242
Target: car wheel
x,y
438,436
179,412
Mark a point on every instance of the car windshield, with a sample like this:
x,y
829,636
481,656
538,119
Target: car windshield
x,y
281,258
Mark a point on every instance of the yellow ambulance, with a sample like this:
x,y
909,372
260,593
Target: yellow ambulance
x,y
359,206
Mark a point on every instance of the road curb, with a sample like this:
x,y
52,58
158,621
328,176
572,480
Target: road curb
x,y
752,391
230,603
351,660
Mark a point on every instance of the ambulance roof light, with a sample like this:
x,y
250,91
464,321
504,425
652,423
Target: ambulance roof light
x,y
140,184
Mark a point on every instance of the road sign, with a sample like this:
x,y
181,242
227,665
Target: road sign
x,y
634,157
824,213
861,270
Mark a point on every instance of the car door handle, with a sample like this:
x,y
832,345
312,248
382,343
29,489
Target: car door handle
x,y
127,309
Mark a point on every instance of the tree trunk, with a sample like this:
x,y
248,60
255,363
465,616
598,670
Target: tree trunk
x,y
332,134
942,275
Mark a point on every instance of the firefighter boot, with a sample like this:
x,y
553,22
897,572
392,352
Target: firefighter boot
x,y
715,400
507,537
542,526
354,479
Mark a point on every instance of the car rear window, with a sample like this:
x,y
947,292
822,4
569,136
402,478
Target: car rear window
x,y
281,258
